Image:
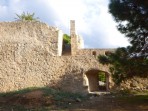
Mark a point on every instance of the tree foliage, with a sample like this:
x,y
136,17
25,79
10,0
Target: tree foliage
x,y
132,19
26,16
123,66
102,77
66,39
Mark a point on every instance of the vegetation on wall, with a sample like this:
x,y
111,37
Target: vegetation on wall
x,y
132,19
66,39
26,16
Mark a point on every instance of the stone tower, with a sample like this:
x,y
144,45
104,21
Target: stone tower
x,y
74,44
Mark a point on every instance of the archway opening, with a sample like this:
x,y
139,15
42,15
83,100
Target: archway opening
x,y
97,81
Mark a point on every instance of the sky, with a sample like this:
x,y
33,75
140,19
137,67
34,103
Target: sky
x,y
93,21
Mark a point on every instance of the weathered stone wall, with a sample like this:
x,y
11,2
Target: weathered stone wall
x,y
28,36
135,83
38,68
91,52
29,57
60,43
74,39
80,42
77,43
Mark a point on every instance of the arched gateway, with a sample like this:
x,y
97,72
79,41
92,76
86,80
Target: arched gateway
x,y
96,80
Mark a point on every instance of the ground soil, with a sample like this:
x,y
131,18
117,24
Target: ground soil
x,y
36,100
111,103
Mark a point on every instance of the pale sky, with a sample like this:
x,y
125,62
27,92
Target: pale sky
x,y
93,21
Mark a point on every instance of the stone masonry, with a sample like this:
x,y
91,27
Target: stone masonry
x,y
31,56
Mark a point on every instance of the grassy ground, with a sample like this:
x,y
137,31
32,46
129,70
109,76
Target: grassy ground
x,y
47,99
37,99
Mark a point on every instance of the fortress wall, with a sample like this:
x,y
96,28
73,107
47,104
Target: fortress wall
x,y
60,42
135,83
28,36
93,52
38,68
29,58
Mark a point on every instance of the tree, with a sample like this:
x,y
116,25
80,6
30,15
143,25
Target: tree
x,y
26,16
132,19
122,66
66,39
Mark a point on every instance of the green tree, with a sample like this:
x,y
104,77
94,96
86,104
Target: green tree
x,y
122,66
132,19
66,39
26,16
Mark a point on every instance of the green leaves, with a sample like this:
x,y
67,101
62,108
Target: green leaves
x,y
66,39
102,77
26,17
103,59
122,66
132,19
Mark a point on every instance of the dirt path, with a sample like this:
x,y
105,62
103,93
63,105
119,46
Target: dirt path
x,y
109,103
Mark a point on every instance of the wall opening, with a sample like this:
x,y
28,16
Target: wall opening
x,y
94,53
97,81
107,53
66,48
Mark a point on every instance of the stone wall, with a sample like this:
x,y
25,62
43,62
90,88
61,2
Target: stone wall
x,y
29,57
28,36
74,39
92,52
38,68
135,83
60,43
77,44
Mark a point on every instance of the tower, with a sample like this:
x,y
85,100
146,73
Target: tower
x,y
74,44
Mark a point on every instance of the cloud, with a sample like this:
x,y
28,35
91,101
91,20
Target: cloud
x,y
93,22
42,9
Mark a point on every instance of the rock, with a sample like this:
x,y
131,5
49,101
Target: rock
x,y
78,100
134,84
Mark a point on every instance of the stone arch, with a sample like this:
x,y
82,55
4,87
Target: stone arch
x,y
91,79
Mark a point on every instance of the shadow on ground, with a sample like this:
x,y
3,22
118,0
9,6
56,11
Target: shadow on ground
x,y
47,99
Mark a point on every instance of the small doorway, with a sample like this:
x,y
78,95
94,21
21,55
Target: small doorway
x,y
97,81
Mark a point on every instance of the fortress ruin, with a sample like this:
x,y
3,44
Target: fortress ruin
x,y
31,55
